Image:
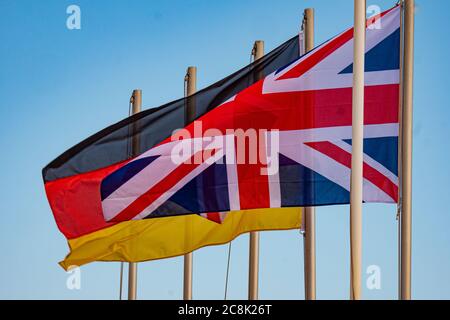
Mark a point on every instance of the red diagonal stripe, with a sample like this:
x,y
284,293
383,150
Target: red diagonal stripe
x,y
369,173
326,50
317,56
160,188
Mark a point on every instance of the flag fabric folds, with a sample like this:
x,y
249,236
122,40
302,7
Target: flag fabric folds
x,y
152,239
283,142
72,183
277,143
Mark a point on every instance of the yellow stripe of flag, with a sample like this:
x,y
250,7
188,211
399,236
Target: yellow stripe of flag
x,y
158,238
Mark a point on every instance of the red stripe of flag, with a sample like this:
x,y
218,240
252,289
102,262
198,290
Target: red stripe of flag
x,y
326,50
160,188
369,173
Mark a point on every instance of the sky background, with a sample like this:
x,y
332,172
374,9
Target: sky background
x,y
58,86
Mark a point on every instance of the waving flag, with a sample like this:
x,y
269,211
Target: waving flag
x,y
73,183
304,112
283,142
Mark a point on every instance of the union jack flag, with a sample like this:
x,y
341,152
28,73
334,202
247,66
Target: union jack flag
x,y
307,107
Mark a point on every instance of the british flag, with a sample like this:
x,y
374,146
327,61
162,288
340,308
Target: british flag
x,y
306,108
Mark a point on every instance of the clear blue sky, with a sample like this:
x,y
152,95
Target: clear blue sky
x,y
59,86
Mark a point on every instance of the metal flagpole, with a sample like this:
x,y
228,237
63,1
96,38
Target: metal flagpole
x,y
258,52
191,87
309,212
136,100
356,194
406,184
121,281
399,151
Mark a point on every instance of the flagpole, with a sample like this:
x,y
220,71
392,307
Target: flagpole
x,y
356,184
136,100
309,212
399,151
406,181
253,275
191,87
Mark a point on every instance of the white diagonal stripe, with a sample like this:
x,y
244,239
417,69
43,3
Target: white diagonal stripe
x,y
370,161
332,170
180,184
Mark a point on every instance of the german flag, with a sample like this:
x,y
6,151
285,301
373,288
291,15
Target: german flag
x,y
75,183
